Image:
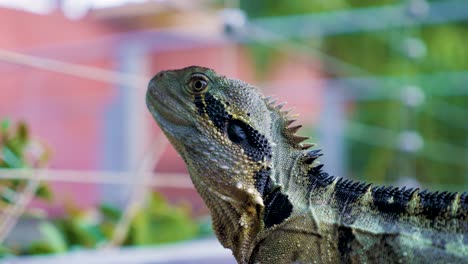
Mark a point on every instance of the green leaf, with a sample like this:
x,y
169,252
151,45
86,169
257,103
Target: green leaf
x,y
53,237
161,223
22,133
141,229
4,251
44,192
5,124
81,231
11,159
110,212
38,248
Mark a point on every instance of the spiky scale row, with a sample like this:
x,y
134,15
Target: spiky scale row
x,y
298,139
294,129
288,243
435,203
305,146
311,156
391,200
289,122
347,192
290,132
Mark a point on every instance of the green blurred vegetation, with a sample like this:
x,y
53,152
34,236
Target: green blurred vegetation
x,y
440,119
157,222
15,141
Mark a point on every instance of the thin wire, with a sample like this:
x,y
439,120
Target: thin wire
x,y
384,137
334,65
139,192
18,206
82,71
158,180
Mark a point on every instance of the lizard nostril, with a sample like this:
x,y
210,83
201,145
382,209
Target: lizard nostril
x,y
160,75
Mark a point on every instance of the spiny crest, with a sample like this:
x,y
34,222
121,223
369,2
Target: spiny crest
x,y
289,130
351,187
311,156
435,202
392,200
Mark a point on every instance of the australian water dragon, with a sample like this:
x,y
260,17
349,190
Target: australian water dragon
x,y
269,199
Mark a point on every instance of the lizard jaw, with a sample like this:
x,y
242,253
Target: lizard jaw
x,y
162,113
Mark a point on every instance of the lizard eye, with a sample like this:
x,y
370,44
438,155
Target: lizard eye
x,y
198,84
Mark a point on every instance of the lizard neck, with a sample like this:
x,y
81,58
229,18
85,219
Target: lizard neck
x,y
235,223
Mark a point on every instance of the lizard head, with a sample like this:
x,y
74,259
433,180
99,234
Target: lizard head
x,y
228,135
210,121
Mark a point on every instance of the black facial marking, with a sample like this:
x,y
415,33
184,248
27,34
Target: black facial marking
x,y
345,239
382,197
263,182
236,132
277,208
216,111
255,145
199,104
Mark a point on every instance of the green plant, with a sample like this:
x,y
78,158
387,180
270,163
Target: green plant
x,y
156,223
15,149
435,69
18,150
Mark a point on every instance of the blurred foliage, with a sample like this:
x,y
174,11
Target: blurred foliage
x,y
18,150
439,119
155,223
161,224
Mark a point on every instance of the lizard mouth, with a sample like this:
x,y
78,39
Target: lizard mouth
x,y
164,114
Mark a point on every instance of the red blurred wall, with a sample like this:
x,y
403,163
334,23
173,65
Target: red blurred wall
x,y
64,111
68,112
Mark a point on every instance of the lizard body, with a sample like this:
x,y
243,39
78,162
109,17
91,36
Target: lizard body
x,y
269,199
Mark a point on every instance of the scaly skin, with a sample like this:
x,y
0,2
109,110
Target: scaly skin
x,y
271,203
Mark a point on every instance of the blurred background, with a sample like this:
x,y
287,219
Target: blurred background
x,y
86,176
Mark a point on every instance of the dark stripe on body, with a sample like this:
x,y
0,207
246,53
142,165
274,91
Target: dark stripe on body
x,y
464,201
318,179
434,204
277,208
257,147
401,197
345,239
263,182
